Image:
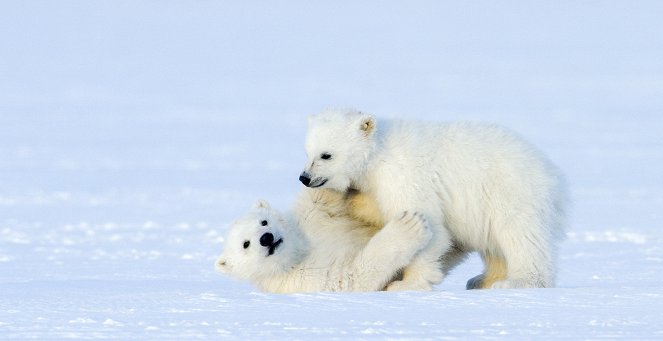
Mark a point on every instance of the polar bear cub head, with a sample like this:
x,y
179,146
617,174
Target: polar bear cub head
x,y
339,144
261,244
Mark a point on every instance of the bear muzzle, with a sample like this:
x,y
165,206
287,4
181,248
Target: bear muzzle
x,y
305,178
267,240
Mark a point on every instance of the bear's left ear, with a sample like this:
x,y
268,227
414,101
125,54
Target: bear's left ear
x,y
367,124
261,204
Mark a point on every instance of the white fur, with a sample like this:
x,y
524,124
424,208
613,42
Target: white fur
x,y
322,248
479,186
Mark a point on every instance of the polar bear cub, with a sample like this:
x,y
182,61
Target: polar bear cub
x,y
319,247
479,186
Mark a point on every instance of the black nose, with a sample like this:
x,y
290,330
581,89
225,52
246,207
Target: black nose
x,y
305,179
267,239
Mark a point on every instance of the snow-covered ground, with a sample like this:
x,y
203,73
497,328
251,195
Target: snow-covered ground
x,y
132,133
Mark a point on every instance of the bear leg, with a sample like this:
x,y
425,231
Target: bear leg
x,y
424,271
417,277
391,249
529,260
494,271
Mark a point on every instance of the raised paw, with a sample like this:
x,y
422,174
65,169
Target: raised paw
x,y
414,227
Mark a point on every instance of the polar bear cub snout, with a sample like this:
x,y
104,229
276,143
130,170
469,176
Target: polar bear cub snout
x,y
305,179
308,180
267,239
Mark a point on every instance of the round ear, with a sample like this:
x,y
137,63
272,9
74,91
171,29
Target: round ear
x,y
366,124
261,204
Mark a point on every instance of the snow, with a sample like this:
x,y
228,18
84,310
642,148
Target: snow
x,y
133,133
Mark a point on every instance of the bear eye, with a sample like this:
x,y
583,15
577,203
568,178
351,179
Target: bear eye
x,y
263,223
246,244
325,156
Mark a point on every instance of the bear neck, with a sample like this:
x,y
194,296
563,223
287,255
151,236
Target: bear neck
x,y
362,181
300,243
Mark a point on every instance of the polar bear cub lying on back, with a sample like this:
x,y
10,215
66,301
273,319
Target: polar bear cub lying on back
x,y
319,247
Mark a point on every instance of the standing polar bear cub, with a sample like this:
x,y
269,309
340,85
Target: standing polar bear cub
x,y
480,188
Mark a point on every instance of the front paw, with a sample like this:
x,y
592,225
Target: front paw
x,y
415,228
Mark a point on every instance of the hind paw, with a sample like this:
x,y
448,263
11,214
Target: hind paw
x,y
475,282
409,286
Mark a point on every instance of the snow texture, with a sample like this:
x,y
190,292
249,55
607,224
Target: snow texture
x,y
133,133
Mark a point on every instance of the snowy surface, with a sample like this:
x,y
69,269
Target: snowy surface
x,y
132,133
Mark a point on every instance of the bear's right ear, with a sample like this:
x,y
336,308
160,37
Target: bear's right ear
x,y
261,204
367,124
